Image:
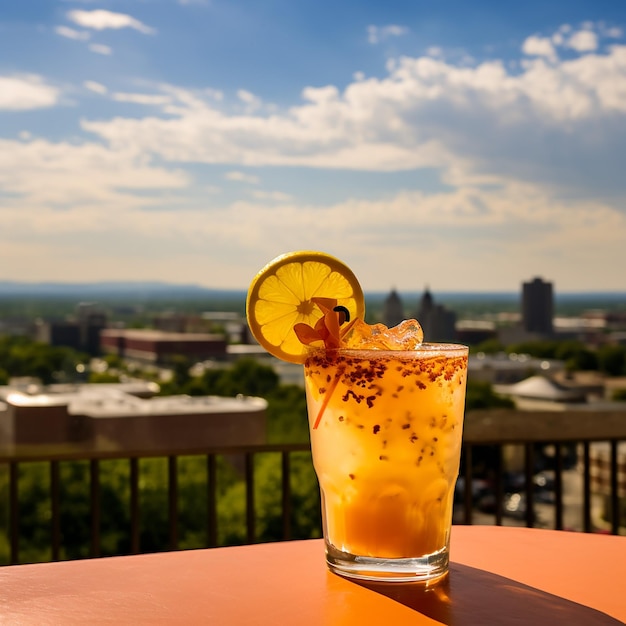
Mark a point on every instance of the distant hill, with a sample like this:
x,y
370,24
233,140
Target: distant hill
x,y
451,297
139,291
112,289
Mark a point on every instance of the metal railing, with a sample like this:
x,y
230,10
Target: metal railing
x,y
498,431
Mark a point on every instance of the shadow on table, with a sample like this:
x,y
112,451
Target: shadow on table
x,y
473,597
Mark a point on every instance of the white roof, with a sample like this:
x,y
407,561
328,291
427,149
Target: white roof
x,y
113,401
543,388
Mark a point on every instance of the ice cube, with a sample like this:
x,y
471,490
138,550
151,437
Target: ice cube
x,y
407,335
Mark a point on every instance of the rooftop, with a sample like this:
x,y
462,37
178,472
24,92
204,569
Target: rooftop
x,y
111,400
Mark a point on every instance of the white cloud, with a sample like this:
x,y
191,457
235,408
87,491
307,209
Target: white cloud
x,y
273,196
88,174
583,41
94,86
426,113
435,51
100,19
142,98
251,101
614,32
321,94
377,34
539,46
100,48
492,234
26,91
71,33
242,177
529,160
558,39
214,94
246,96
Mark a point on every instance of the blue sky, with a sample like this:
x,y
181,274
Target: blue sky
x,y
467,146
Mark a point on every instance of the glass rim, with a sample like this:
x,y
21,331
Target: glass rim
x,y
429,348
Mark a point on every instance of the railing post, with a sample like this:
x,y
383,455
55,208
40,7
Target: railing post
x,y
615,510
14,522
498,486
249,471
134,505
172,482
558,486
587,527
211,501
94,491
529,471
55,510
286,493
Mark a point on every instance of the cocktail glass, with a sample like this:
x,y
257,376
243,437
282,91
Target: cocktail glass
x,y
386,429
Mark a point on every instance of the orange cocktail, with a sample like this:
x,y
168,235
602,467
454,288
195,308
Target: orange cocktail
x,y
386,430
385,413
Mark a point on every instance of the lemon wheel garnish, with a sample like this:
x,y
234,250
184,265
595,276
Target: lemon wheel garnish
x,y
280,296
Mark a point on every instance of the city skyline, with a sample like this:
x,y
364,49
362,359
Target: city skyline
x,y
191,141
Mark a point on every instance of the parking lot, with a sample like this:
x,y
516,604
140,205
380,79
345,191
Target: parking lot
x,y
514,502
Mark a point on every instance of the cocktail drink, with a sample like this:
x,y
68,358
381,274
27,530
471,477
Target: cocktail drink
x,y
385,414
386,450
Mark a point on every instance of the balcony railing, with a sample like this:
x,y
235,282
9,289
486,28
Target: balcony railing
x,y
496,445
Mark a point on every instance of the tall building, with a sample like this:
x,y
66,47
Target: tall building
x,y
393,310
537,307
157,346
80,332
438,322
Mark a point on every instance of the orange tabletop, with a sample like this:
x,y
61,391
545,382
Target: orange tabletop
x,y
498,575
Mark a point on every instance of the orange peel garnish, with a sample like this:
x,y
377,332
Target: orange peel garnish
x,y
329,329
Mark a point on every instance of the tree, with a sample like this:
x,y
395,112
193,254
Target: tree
x,y
538,349
21,356
489,346
480,395
577,357
247,377
180,370
612,360
305,519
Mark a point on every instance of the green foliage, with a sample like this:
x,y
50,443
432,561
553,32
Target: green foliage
x,y
103,377
20,356
34,510
247,377
114,361
180,370
287,416
619,395
287,422
608,359
305,518
35,506
489,346
480,395
612,360
539,349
